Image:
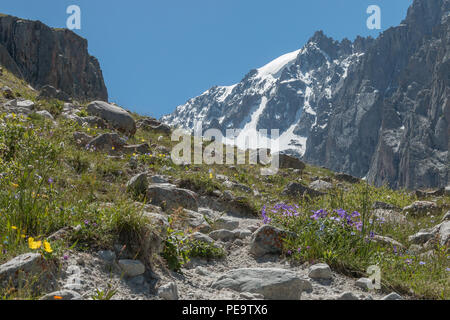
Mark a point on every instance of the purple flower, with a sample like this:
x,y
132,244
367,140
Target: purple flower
x,y
266,219
422,263
66,257
448,269
50,180
289,252
408,261
86,222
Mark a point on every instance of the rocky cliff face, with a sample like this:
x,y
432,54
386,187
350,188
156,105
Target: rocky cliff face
x,y
375,108
390,120
46,56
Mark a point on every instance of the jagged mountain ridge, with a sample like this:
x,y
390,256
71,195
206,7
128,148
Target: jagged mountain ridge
x,y
375,108
285,94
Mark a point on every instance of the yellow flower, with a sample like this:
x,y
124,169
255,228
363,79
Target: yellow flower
x,y
210,175
47,247
143,140
34,244
113,148
134,154
15,185
14,227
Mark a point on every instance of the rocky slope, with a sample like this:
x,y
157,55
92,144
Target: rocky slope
x,y
371,108
45,56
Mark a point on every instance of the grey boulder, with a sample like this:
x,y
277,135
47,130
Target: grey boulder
x,y
272,283
117,117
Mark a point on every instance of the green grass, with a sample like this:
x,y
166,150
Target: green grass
x,y
48,183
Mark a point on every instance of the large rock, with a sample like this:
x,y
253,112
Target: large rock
x,y
295,189
226,223
272,283
168,291
320,185
390,216
290,162
223,235
45,56
421,237
131,268
107,141
444,233
170,197
138,184
320,271
267,240
117,117
392,296
421,208
25,267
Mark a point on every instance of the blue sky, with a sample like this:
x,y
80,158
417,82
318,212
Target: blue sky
x,y
155,55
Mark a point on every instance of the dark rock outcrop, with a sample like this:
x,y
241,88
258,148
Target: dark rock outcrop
x,y
45,56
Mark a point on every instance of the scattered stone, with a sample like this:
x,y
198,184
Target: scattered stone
x,y
138,184
295,189
45,114
107,255
444,233
136,281
228,195
446,216
7,92
390,216
159,179
392,296
223,235
434,193
421,208
287,162
364,283
169,197
226,223
62,295
251,296
136,148
94,122
25,266
320,185
168,291
131,268
347,296
272,283
202,271
387,241
197,236
320,271
107,142
421,237
266,240
242,233
346,178
117,117
385,206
